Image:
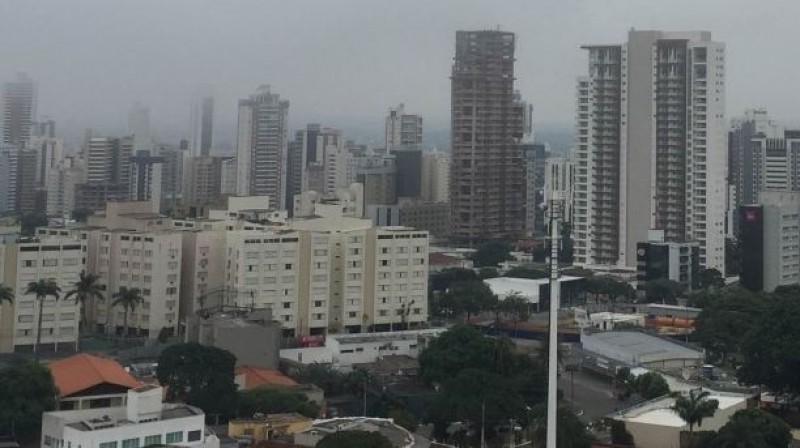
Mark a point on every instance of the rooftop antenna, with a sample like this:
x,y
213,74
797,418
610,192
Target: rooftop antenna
x,y
552,358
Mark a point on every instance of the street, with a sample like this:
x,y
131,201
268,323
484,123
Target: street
x,y
593,394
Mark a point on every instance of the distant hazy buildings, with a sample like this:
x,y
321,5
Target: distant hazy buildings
x,y
487,177
203,177
261,145
139,128
146,177
435,177
762,156
535,161
651,154
402,130
202,126
228,176
19,110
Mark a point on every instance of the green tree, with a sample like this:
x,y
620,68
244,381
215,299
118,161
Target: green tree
x,y
491,253
488,272
87,288
733,257
459,348
727,319
128,299
321,375
651,385
468,298
404,418
26,391
201,376
275,400
442,280
575,271
770,351
571,432
694,407
42,289
6,294
664,290
710,279
354,439
754,428
620,434
517,307
526,272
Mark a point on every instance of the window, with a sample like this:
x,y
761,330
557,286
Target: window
x,y
25,319
287,305
152,440
70,261
175,437
108,444
30,263
287,266
194,436
48,441
318,303
384,262
130,443
50,262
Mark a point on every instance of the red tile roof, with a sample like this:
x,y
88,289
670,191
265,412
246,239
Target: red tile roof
x,y
259,376
80,372
438,258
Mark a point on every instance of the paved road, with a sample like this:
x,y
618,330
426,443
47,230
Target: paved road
x,y
593,394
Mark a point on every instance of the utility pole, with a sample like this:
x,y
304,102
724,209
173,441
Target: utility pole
x,y
483,424
552,366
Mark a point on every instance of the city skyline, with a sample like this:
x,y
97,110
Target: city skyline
x,y
88,92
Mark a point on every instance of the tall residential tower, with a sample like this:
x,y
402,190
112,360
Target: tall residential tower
x,y
487,193
651,147
19,110
261,146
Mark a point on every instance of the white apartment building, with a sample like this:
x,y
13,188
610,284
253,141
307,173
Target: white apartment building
x,y
54,254
651,147
144,421
435,177
402,130
559,180
61,186
261,145
334,274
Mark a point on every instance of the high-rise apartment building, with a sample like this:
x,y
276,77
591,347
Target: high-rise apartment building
x,y
19,110
146,177
769,235
108,160
261,146
559,183
435,177
139,128
487,188
50,151
202,126
535,161
203,180
172,172
228,176
402,130
651,147
762,156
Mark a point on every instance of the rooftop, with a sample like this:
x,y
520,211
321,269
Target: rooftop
x,y
361,338
82,371
627,346
259,376
658,412
98,419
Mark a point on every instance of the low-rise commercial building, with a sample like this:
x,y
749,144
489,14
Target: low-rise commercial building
x,y
653,424
641,349
658,260
143,421
250,334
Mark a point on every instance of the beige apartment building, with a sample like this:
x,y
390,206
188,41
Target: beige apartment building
x,y
53,254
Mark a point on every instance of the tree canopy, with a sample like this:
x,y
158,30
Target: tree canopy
x,y
770,350
26,391
526,272
468,298
694,407
355,439
491,253
609,287
199,375
475,371
754,428
275,400
664,290
710,279
726,320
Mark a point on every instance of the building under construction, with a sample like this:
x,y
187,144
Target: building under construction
x,y
487,191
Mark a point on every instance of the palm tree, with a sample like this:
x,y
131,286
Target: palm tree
x,y
42,288
86,288
693,408
128,299
6,294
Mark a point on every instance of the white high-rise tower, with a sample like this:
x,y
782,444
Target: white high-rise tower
x,y
651,147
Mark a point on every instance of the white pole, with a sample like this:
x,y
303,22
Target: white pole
x,y
552,367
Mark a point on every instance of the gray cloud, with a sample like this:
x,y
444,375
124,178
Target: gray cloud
x,y
344,62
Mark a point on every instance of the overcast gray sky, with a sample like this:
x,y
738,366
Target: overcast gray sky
x,y
344,62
